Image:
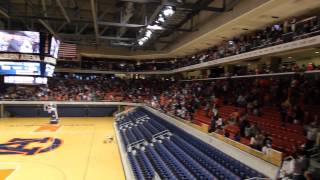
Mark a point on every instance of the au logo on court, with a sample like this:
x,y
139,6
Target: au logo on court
x,y
30,146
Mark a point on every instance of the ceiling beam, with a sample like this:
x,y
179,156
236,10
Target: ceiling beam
x,y
24,17
44,8
4,13
121,24
104,30
94,16
117,38
216,9
65,23
47,26
142,1
64,12
104,13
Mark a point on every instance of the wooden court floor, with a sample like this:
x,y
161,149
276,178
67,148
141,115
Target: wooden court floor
x,y
74,150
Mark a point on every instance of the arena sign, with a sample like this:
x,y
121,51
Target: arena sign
x,y
29,146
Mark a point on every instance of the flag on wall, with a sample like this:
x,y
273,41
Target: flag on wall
x,y
67,51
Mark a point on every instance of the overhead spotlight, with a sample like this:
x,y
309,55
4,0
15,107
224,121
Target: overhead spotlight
x,y
140,43
148,33
317,52
168,11
161,18
154,27
144,39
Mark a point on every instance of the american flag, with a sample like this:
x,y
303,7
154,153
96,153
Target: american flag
x,y
67,51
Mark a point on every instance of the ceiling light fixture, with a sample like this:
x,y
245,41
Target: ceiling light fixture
x,y
154,27
161,18
168,11
148,33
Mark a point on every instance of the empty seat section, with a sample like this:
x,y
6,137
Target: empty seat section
x,y
146,166
194,167
147,134
216,169
178,169
124,137
162,169
150,128
132,138
135,167
157,125
179,156
137,133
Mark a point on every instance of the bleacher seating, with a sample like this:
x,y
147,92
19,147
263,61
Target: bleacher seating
x,y
284,138
171,153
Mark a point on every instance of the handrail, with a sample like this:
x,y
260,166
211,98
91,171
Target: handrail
x,y
39,102
135,144
126,123
252,76
258,178
160,133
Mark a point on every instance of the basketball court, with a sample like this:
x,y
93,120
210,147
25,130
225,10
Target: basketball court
x,y
76,149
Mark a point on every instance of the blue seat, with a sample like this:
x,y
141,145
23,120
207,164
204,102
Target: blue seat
x,y
183,156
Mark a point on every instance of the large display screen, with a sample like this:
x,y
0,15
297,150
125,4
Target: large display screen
x,y
25,80
19,68
49,70
19,41
54,47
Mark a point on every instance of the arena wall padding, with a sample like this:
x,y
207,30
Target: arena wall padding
x,y
63,111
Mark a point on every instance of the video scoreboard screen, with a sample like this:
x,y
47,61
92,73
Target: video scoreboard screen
x,y
20,68
30,80
20,41
27,57
54,47
49,70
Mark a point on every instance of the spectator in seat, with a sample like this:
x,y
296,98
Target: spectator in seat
x,y
311,135
266,148
254,130
213,124
253,141
293,24
226,134
219,122
283,114
247,130
214,110
237,137
243,123
298,115
241,101
298,166
259,141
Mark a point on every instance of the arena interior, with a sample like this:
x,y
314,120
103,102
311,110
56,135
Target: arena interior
x,y
159,89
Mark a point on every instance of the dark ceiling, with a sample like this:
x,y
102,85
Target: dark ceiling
x,y
104,22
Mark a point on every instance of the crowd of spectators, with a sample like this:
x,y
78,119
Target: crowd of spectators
x,y
289,30
286,31
288,93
